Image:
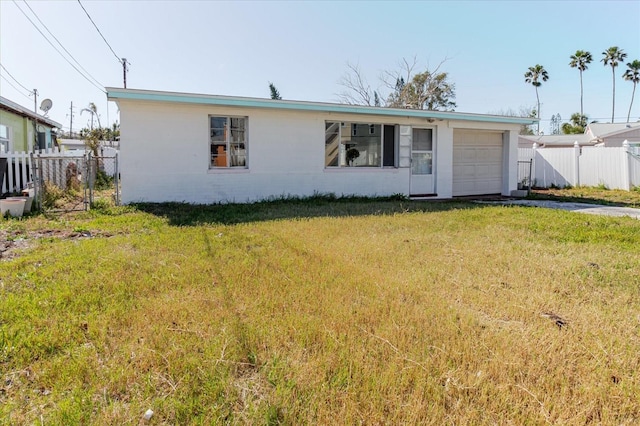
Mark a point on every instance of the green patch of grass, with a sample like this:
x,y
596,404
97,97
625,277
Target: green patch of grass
x,y
181,214
320,312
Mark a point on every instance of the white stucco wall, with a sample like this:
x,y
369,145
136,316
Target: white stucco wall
x,y
165,155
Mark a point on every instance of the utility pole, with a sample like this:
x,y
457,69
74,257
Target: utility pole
x,y
35,119
71,123
124,71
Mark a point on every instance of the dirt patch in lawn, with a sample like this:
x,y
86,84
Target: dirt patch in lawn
x,y
14,243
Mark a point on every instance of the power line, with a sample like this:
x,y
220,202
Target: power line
x,y
61,45
11,84
57,50
590,119
14,79
97,29
122,61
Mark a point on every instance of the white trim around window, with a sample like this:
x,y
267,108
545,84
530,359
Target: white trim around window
x,y
5,138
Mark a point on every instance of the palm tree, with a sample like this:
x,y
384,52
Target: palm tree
x,y
580,60
533,76
613,56
632,74
93,110
577,126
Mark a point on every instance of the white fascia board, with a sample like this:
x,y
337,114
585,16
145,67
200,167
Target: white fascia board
x,y
115,94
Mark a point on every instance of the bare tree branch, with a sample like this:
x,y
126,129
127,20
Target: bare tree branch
x,y
430,89
358,91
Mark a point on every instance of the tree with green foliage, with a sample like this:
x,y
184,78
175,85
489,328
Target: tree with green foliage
x,y
92,140
376,99
533,76
274,92
613,56
632,74
580,60
103,133
426,90
577,126
394,98
430,89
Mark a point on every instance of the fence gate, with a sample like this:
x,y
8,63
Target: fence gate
x,y
64,183
524,175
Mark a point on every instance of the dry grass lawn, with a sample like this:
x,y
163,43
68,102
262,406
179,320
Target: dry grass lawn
x,y
326,312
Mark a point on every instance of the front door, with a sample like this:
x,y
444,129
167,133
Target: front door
x,y
422,164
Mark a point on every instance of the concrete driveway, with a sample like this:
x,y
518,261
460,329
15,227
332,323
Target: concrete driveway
x,y
578,207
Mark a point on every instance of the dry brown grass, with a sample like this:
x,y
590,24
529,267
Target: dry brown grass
x,y
414,317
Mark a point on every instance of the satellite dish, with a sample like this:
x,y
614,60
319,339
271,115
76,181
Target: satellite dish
x,y
46,105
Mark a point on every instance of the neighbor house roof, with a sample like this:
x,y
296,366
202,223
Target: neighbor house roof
x,y
560,140
600,130
192,98
11,106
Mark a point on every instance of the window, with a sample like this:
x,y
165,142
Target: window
x,y
4,138
228,141
358,145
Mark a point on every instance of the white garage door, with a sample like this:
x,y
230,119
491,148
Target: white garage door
x,y
477,162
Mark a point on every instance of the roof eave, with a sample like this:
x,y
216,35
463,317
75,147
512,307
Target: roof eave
x,y
190,98
20,110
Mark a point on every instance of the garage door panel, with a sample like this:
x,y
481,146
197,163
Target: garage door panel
x,y
468,171
477,162
490,154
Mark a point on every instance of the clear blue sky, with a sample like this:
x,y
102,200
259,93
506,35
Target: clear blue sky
x,y
236,48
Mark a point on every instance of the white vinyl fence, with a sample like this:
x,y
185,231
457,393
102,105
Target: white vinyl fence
x,y
612,167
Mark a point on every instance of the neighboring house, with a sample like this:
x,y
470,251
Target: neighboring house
x,y
17,128
69,144
209,149
596,134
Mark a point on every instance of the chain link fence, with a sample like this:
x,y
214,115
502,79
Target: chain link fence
x,y
103,183
67,183
524,175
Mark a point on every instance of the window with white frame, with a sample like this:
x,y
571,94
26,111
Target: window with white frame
x,y
228,141
358,144
5,140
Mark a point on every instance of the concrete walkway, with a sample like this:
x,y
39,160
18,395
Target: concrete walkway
x,y
578,207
